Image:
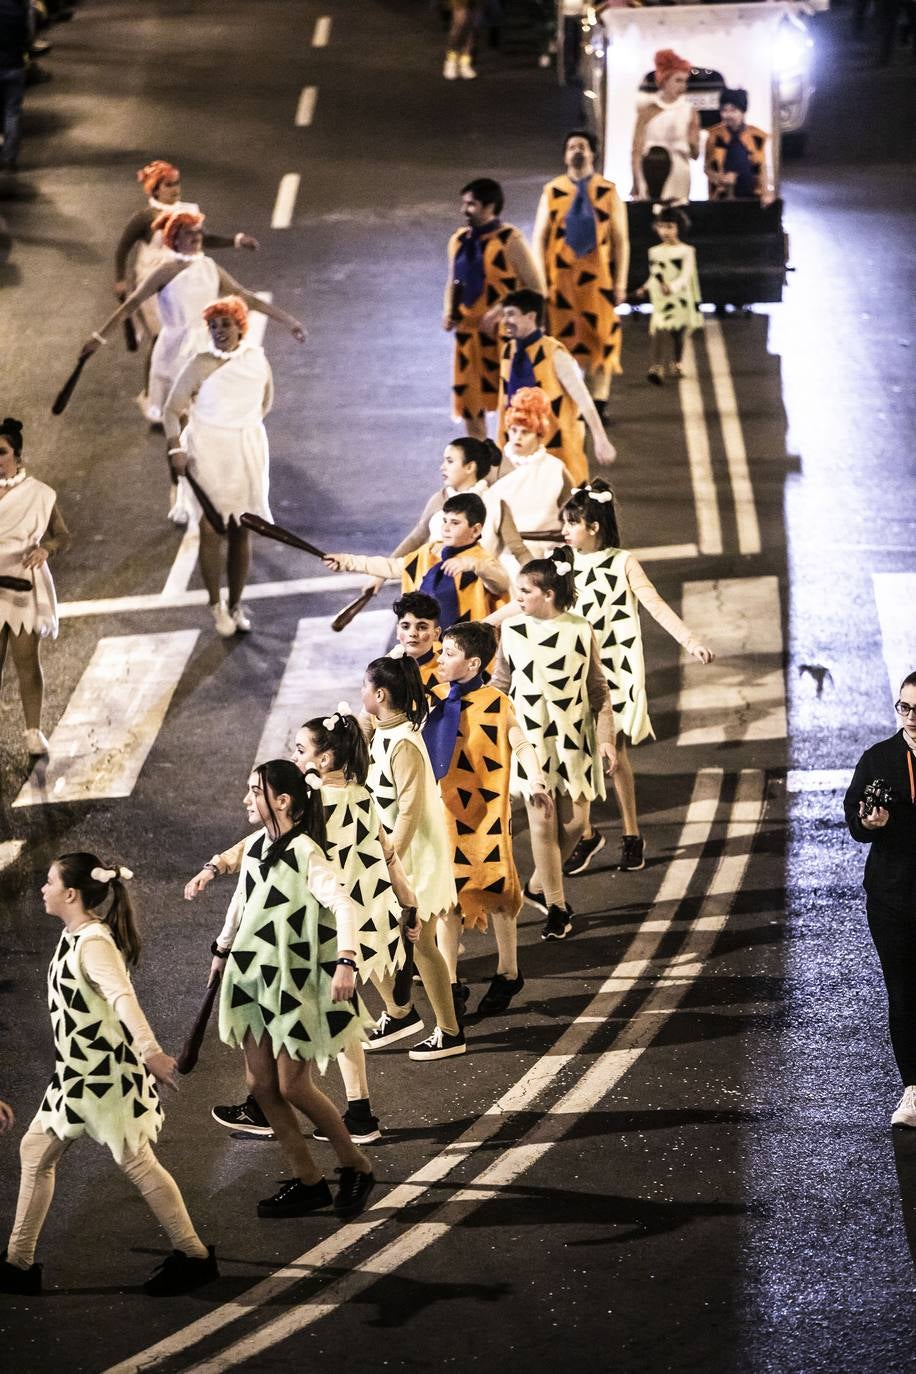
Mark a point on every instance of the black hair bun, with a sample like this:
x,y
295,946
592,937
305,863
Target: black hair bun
x,y
11,427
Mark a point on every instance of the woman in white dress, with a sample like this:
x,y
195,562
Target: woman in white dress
x,y
666,119
534,484
225,392
31,528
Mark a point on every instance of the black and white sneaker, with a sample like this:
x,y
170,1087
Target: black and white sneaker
x,y
363,1127
558,923
439,1045
181,1273
584,852
352,1191
535,899
296,1199
246,1118
632,853
499,994
390,1029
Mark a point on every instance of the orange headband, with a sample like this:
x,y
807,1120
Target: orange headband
x,y
667,62
150,176
229,305
170,224
530,408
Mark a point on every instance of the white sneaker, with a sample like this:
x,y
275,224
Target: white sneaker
x,y
905,1111
225,625
465,70
450,67
37,745
240,616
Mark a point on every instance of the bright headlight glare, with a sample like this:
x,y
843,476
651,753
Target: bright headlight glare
x,y
792,51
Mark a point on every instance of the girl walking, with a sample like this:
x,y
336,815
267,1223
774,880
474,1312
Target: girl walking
x,y
673,288
108,1063
286,956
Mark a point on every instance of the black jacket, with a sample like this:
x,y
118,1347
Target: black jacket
x,y
14,33
890,869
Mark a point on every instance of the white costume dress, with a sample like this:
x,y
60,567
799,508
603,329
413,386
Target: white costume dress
x,y
534,488
225,436
668,128
148,256
183,332
25,512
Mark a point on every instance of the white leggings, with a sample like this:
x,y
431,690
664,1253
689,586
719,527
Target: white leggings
x,y
39,1152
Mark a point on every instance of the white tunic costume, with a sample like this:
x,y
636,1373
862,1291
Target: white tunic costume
x,y
534,488
183,332
668,128
25,512
226,439
148,256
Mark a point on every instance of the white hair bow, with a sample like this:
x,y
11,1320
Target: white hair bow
x,y
107,875
312,780
343,709
602,497
561,566
397,651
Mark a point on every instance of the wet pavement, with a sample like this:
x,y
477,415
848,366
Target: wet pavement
x,y
689,1166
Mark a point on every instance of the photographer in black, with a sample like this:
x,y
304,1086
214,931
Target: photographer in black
x,y
880,810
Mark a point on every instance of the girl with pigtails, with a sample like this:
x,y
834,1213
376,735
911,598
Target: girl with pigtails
x,y
609,584
548,663
108,1065
336,748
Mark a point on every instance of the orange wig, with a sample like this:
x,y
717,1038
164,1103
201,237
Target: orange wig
x,y
170,225
530,409
667,62
150,176
229,305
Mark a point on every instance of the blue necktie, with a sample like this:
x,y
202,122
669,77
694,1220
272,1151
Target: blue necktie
x,y
521,373
468,264
441,729
580,221
436,582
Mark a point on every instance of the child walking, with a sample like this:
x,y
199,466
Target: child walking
x,y
548,662
108,1063
287,959
472,736
609,584
673,288
417,618
403,785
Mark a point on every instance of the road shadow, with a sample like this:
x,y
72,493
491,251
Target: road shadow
x,y
905,1159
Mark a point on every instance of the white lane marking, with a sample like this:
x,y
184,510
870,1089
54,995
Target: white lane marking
x,y
185,562
733,439
257,322
256,591
663,552
818,779
101,741
705,499
894,596
516,1159
741,696
697,826
285,204
305,110
323,668
10,851
321,34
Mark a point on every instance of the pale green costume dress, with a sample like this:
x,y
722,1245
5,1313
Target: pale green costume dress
x,y
675,264
606,599
353,843
548,662
277,980
427,860
100,1086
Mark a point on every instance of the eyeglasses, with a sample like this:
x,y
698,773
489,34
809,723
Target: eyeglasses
x,y
903,709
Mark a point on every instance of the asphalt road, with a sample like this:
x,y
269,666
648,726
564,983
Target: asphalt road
x,y
673,1154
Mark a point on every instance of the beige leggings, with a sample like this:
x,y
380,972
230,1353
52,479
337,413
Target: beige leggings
x,y
434,973
553,839
23,649
39,1153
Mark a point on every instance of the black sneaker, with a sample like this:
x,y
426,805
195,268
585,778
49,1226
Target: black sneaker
x,y
363,1127
558,923
499,994
296,1199
439,1045
460,994
16,1280
632,853
246,1118
390,1029
181,1273
583,854
535,899
352,1191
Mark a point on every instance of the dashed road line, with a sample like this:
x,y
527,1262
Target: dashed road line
x,y
321,34
285,204
305,110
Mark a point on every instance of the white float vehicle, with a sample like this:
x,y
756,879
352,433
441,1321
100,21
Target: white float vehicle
x,y
762,46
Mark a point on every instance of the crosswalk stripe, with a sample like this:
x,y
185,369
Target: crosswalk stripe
x,y
818,779
733,439
323,668
705,499
101,741
894,596
741,696
255,591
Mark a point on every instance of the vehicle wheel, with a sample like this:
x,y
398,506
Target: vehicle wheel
x,y
793,144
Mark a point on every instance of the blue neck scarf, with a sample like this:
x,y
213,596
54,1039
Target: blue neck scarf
x,y
521,373
468,265
436,582
580,221
441,729
738,160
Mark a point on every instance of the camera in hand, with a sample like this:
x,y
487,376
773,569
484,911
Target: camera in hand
x,y
877,794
